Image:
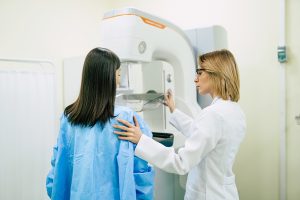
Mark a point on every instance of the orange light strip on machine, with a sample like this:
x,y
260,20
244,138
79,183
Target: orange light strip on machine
x,y
145,20
153,23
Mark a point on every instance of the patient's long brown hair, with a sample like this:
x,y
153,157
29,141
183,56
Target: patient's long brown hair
x,y
96,99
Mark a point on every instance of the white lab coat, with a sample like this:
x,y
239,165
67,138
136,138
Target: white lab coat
x,y
213,140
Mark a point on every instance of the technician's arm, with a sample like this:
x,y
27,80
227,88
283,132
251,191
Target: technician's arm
x,y
179,120
206,133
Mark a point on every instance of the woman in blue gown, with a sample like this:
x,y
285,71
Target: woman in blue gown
x,y
89,162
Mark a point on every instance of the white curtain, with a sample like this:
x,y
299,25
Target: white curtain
x,y
27,131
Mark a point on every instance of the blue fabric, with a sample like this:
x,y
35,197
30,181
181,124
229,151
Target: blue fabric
x,y
91,163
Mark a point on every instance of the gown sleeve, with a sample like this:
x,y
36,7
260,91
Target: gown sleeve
x,y
58,180
50,176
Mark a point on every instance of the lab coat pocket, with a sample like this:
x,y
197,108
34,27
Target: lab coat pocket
x,y
144,184
229,180
192,194
230,188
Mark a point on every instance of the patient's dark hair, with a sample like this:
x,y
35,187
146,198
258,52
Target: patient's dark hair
x,y
96,99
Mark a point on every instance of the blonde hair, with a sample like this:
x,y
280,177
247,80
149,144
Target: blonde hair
x,y
223,73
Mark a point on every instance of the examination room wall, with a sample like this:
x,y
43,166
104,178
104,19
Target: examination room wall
x,y
293,99
252,28
42,30
50,30
54,30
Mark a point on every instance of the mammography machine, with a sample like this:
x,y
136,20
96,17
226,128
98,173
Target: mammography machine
x,y
156,56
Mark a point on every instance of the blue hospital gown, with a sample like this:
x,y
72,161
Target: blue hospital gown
x,y
91,163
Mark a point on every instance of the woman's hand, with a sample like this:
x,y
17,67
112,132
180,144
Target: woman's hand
x,y
129,132
169,100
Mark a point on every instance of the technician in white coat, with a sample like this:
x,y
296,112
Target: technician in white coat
x,y
213,137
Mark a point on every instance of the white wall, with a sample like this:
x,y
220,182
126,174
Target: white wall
x,y
253,37
293,99
57,29
44,30
51,30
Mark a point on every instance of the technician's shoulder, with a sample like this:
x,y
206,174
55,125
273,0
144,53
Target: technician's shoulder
x,y
231,112
211,113
223,110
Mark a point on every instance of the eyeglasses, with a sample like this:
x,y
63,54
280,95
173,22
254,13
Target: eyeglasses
x,y
199,71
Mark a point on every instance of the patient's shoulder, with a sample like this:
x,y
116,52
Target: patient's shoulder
x,y
123,112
